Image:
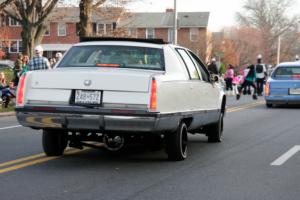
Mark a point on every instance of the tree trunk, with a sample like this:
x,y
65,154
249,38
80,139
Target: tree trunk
x,y
85,8
39,34
31,15
28,40
31,36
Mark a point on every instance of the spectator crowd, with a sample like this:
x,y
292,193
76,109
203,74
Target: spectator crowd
x,y
249,79
21,66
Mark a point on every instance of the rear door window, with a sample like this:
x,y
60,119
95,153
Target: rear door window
x,y
201,67
114,56
189,64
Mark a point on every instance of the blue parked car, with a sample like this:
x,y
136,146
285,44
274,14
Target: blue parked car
x,y
283,86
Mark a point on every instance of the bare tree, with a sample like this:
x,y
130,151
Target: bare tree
x,y
4,4
87,7
238,46
271,18
247,44
31,14
290,45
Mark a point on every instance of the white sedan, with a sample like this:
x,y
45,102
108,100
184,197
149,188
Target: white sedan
x,y
117,90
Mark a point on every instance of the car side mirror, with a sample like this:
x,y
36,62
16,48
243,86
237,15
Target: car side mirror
x,y
214,78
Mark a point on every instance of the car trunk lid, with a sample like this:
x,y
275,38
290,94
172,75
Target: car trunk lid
x,y
94,79
283,87
119,87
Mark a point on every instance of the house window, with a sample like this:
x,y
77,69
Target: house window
x,y
13,22
193,34
20,47
101,29
132,32
170,35
15,46
109,29
104,29
61,29
150,33
2,21
78,28
4,46
47,33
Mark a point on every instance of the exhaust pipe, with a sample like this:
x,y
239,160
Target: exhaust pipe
x,y
113,142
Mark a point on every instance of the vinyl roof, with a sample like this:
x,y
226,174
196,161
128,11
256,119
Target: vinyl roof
x,y
289,64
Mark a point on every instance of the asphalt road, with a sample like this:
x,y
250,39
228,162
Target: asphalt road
x,y
248,164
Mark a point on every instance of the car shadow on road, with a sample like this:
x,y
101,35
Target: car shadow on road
x,y
285,107
133,153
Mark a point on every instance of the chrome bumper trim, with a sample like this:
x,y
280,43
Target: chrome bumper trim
x,y
89,122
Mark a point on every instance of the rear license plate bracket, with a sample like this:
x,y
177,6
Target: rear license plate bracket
x,y
87,97
294,91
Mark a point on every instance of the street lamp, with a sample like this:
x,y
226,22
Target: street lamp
x,y
175,23
278,50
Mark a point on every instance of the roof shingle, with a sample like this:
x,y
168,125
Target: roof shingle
x,y
163,20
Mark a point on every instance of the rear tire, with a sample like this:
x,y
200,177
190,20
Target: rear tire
x,y
215,131
177,143
54,142
269,105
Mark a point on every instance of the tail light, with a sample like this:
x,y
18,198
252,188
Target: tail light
x,y
153,96
21,90
267,89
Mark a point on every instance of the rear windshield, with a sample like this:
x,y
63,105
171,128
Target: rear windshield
x,y
287,72
114,56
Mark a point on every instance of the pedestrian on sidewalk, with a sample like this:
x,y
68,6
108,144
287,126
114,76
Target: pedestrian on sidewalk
x,y
228,77
250,80
24,65
17,69
236,81
6,94
247,89
212,67
58,56
52,62
38,62
261,74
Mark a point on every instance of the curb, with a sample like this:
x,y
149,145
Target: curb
x,y
7,114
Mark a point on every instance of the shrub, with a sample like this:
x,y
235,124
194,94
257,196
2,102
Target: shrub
x,y
9,74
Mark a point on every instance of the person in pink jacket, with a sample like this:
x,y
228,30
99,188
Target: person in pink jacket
x,y
228,77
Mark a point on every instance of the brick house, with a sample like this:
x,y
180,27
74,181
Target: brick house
x,y
62,30
192,28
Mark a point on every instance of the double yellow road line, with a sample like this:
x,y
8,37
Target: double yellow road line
x,y
246,106
42,158
31,160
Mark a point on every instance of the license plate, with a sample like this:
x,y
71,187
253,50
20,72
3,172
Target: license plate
x,y
295,91
87,97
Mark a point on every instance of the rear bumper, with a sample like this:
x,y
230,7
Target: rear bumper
x,y
284,100
96,120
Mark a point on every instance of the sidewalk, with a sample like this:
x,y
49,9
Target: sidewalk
x,y
7,114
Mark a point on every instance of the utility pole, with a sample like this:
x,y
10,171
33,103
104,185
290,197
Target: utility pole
x,y
278,50
175,23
